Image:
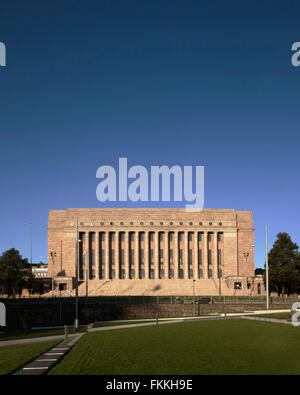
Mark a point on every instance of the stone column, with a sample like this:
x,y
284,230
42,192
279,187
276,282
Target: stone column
x,y
175,256
106,255
97,254
166,255
87,255
186,255
146,254
204,256
195,256
136,254
126,254
215,256
117,256
155,255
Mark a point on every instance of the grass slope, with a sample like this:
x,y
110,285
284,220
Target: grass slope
x,y
209,347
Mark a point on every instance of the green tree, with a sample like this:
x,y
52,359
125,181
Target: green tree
x,y
15,273
284,266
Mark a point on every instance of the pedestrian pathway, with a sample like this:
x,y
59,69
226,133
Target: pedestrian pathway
x,y
33,340
45,362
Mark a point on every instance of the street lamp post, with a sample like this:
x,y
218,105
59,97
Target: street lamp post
x,y
52,254
267,269
76,279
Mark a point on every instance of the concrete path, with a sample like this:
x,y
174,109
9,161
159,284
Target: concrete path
x,y
276,320
45,362
4,343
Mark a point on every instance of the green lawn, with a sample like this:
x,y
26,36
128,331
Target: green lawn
x,y
208,347
14,357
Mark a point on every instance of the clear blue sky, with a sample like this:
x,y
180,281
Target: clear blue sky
x,y
161,82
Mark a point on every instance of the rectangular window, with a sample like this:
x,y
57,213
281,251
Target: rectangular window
x,y
102,256
142,237
219,273
219,236
171,237
161,237
191,273
209,236
102,236
209,257
219,257
190,237
151,236
199,257
200,273
151,256
122,273
209,273
151,273
93,257
180,257
161,256
181,273
122,257
171,257
131,257
199,236
142,257
122,236
93,236
180,236
171,273
112,257
190,257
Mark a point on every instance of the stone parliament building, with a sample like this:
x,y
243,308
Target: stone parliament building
x,y
153,251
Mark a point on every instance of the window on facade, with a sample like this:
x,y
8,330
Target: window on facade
x,y
171,223
190,237
171,273
258,288
151,273
151,236
101,223
132,257
131,223
151,223
200,223
199,236
180,236
209,236
112,236
190,256
171,257
219,273
141,223
209,257
122,274
142,256
122,236
161,273
219,257
161,236
111,223
151,256
93,273
237,285
180,223
219,236
131,236
171,236
200,273
191,273
93,236
191,223
199,257
102,256
122,257
141,236
180,257
121,223
210,223
248,285
220,223
142,273
102,236
209,273
181,273
132,273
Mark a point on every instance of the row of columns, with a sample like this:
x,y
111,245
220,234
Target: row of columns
x,y
95,271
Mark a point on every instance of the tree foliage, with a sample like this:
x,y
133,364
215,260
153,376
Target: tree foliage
x,y
15,273
284,266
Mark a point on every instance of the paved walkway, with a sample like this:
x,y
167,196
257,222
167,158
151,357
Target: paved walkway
x,y
45,362
4,343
